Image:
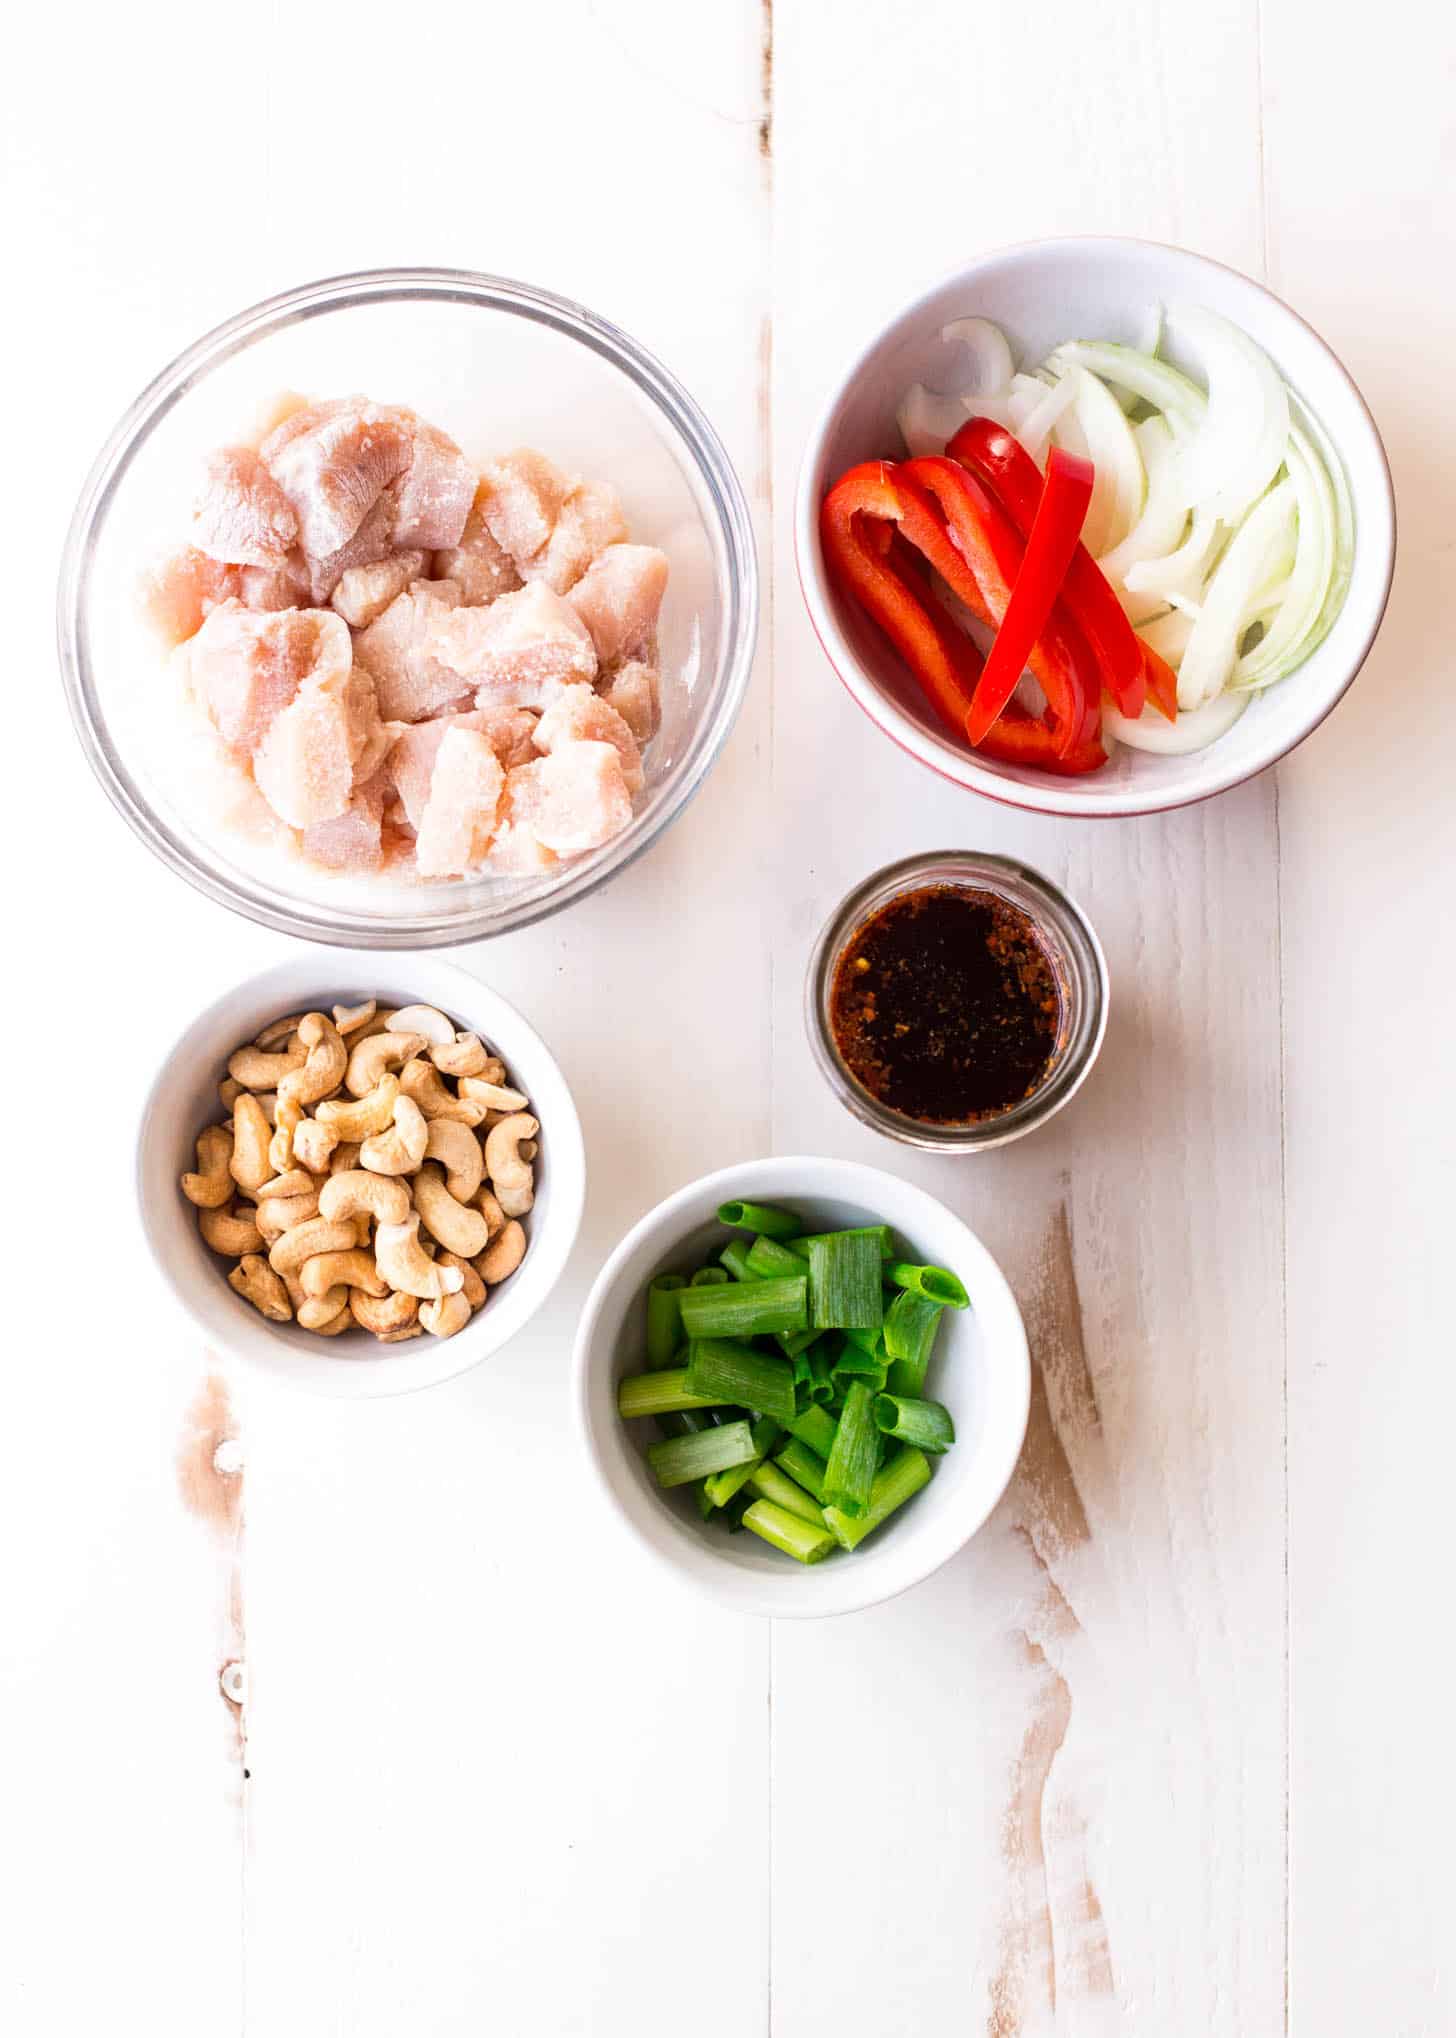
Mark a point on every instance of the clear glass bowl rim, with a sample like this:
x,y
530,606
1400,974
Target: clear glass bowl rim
x,y
1048,904
316,921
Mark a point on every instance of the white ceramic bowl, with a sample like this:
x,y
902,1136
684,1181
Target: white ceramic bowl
x,y
1042,293
184,1098
981,1371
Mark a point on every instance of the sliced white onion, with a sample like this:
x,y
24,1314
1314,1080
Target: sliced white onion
x,y
991,363
1153,731
926,420
1260,550
1150,339
1043,412
1240,448
1180,571
1282,645
1119,485
1152,380
1164,519
1168,635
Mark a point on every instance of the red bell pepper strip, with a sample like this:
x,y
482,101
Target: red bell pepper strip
x,y
1162,682
978,529
1005,466
1019,738
1050,543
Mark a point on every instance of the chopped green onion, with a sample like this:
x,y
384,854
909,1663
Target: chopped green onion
x,y
664,1325
769,1483
788,1533
746,1308
660,1393
760,1217
723,1485
844,1282
938,1283
926,1424
898,1482
677,1460
821,1361
708,1277
854,1363
815,1427
802,1466
792,1342
867,1340
911,1323
735,1258
850,1472
727,1371
770,1261
880,1233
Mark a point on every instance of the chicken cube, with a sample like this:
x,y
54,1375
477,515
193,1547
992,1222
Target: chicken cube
x,y
434,495
363,593
333,461
481,566
270,588
353,840
241,515
398,649
578,715
524,493
590,520
519,652
305,765
633,692
245,668
179,592
619,597
583,799
459,820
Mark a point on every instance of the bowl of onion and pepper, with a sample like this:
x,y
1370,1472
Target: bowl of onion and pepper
x,y
1096,527
813,1468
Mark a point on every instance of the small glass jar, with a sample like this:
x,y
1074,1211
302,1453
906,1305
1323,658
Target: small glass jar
x,y
1071,947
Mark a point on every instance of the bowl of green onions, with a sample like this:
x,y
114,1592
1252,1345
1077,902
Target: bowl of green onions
x,y
803,1385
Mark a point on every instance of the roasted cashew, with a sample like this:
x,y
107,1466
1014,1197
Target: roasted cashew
x,y
313,1145
323,1072
400,1150
358,1192
250,1166
343,1321
424,1019
465,1055
492,1096
258,1071
361,1120
319,1310
502,1256
277,1214
490,1210
296,1182
444,1318
287,1118
508,1167
390,1316
370,1057
306,1241
474,1288
268,1100
458,1228
402,1262
349,1018
421,1080
399,1337
275,1034
229,1231
345,1155
348,1270
257,1283
459,1151
229,1092
212,1185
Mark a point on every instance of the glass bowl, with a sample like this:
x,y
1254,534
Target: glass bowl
x,y
497,365
1077,962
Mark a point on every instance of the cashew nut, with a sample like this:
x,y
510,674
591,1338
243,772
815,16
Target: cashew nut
x,y
229,1231
458,1228
306,1241
369,1059
275,1034
296,1182
343,1321
229,1091
287,1117
313,1144
323,1072
349,1018
319,1310
403,1263
357,1192
353,1269
400,1150
427,1020
474,1288
399,1337
371,1114
277,1214
421,1080
257,1283
250,1165
491,1096
391,1315
444,1318
344,1156
465,1055
508,1167
212,1185
458,1148
490,1210
258,1071
502,1256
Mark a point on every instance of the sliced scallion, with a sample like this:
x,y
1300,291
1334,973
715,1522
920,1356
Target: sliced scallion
x,y
660,1393
926,1424
729,1371
911,1323
788,1533
746,1308
850,1471
677,1460
938,1284
894,1484
844,1282
760,1217
664,1324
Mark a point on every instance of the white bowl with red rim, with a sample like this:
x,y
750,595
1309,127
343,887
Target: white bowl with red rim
x,y
1040,294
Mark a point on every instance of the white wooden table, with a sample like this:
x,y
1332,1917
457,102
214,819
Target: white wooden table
x,y
1167,1751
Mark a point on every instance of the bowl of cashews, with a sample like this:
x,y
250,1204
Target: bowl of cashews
x,y
364,1173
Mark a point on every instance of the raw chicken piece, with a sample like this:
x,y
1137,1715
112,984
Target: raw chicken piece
x,y
353,840
519,651
460,815
333,461
365,592
412,756
618,598
578,715
516,852
372,543
524,493
633,692
482,567
241,515
305,764
179,593
284,586
398,649
435,493
246,668
590,520
583,798
510,732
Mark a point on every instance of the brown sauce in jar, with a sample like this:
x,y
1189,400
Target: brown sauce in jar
x,y
945,1006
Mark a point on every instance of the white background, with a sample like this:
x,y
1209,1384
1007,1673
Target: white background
x,y
1167,1750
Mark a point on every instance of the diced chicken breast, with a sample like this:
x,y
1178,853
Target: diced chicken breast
x,y
370,545
305,765
590,520
633,692
434,495
460,815
365,592
619,598
180,592
524,493
333,462
510,732
241,515
246,668
483,567
519,652
353,840
584,799
398,648
271,588
416,746
578,715
516,850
